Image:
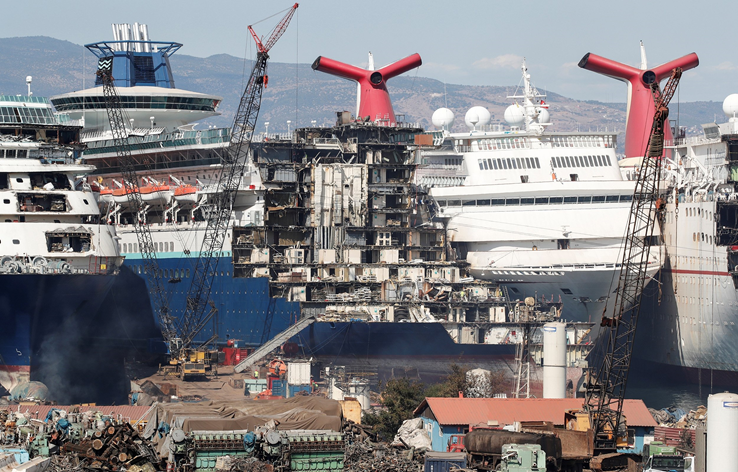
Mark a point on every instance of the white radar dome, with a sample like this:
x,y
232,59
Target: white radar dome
x,y
544,116
443,118
477,117
514,115
730,105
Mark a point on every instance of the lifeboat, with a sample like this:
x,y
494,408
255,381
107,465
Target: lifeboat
x,y
151,194
155,194
185,195
105,196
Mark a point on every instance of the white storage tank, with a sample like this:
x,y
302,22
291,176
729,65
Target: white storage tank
x,y
359,389
722,432
554,360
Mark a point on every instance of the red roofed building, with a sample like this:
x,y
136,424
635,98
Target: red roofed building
x,y
445,417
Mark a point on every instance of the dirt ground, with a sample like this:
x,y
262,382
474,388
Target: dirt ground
x,y
211,388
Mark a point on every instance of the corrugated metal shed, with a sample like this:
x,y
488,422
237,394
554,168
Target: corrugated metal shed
x,y
132,414
478,411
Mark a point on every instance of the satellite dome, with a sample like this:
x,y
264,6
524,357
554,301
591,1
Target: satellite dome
x,y
730,105
514,115
477,117
443,118
544,116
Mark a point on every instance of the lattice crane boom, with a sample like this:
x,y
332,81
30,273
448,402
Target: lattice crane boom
x,y
219,206
605,394
118,120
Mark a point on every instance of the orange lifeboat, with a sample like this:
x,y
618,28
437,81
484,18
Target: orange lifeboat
x,y
185,194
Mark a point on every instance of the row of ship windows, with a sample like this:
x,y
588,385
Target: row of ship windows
x,y
705,238
525,143
509,163
699,280
697,260
174,273
537,201
162,247
14,153
699,212
581,161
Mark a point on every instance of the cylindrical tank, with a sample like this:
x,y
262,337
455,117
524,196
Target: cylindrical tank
x,y
359,389
554,360
722,432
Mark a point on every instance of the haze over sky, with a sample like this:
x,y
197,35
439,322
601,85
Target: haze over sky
x,y
461,42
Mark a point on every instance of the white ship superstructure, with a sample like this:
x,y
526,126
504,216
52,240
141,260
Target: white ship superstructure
x,y
692,318
58,261
541,212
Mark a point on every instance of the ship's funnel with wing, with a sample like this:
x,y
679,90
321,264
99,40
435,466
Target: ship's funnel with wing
x,y
640,112
374,99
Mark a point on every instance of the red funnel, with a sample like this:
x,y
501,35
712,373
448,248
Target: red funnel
x,y
639,117
374,101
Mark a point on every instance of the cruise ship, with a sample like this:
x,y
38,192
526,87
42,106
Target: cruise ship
x,y
58,261
690,326
541,212
327,223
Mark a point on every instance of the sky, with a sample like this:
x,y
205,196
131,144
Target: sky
x,y
460,42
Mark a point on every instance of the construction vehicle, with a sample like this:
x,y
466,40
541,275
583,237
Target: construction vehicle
x,y
657,457
179,333
605,386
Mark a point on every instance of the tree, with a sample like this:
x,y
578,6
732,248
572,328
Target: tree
x,y
399,398
455,382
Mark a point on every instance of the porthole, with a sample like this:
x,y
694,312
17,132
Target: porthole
x,y
16,241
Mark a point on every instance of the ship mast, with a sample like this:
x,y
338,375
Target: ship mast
x,y
533,103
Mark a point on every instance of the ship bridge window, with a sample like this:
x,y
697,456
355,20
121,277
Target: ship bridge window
x,y
599,161
512,201
570,199
584,200
497,201
626,198
482,202
469,203
481,166
612,198
608,160
486,165
568,161
598,199
494,163
527,201
541,200
441,203
555,200
454,203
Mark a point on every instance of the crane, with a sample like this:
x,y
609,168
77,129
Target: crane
x,y
218,209
179,333
605,392
118,120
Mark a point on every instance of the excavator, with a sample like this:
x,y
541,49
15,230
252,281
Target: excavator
x,y
185,358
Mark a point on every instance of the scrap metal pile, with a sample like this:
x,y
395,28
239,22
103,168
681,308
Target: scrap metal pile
x,y
79,441
364,454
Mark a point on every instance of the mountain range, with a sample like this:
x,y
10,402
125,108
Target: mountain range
x,y
301,95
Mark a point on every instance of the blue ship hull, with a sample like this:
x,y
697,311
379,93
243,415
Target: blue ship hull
x,y
68,330
248,314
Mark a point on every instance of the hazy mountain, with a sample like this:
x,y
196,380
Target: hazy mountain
x,y
297,93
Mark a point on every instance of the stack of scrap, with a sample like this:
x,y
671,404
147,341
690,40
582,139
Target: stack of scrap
x,y
366,456
114,448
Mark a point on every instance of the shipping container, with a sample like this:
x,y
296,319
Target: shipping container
x,y
444,461
279,388
298,373
294,390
